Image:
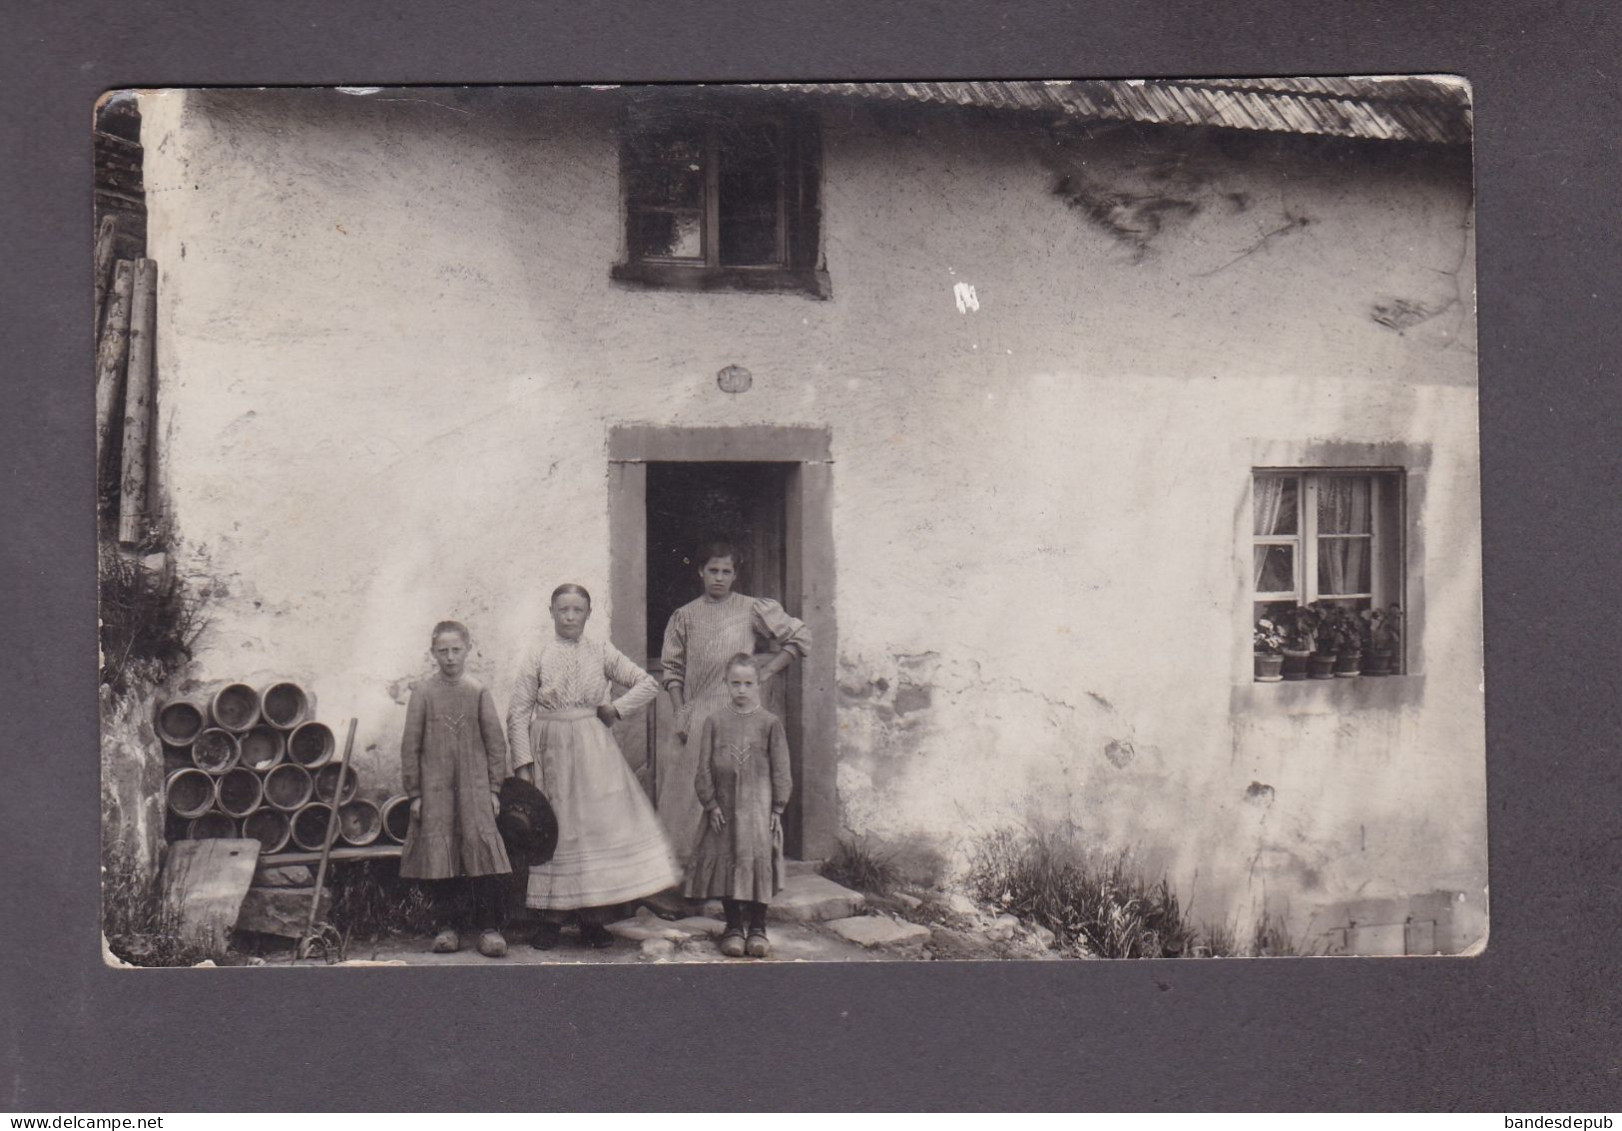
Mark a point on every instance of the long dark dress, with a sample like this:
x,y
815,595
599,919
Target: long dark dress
x,y
453,756
743,770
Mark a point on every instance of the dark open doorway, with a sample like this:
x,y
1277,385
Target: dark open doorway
x,y
767,489
691,504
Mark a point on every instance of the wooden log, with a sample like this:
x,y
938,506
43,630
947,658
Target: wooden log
x,y
132,501
112,352
106,236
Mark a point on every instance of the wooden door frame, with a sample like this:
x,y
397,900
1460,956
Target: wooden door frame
x,y
813,829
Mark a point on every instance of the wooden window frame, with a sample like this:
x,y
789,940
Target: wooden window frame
x,y
798,217
1386,537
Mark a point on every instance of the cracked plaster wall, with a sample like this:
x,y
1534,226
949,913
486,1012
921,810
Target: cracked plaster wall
x,y
389,353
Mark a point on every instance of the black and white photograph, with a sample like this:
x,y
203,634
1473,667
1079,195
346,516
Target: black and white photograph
x,y
775,523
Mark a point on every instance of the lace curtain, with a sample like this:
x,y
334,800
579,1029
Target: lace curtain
x,y
1275,507
1343,508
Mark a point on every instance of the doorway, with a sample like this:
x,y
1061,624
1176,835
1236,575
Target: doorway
x,y
767,490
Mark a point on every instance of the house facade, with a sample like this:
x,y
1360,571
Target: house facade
x,y
1028,399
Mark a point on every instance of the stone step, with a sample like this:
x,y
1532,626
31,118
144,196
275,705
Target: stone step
x,y
811,898
802,867
878,930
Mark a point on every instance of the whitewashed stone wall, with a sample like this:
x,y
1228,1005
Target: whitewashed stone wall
x,y
390,352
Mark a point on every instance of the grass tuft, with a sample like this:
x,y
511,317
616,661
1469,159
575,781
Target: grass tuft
x,y
139,929
857,864
371,902
150,621
1099,906
1272,939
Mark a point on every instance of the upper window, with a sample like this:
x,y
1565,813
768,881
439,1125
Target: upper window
x,y
1328,538
721,200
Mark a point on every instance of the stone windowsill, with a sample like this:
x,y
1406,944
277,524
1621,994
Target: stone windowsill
x,y
1328,696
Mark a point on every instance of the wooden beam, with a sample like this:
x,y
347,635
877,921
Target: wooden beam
x,y
112,352
138,389
106,235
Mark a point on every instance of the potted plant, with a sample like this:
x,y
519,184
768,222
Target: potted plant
x,y
1269,652
1382,637
1340,643
1296,625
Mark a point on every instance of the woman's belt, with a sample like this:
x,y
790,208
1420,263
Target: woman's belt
x,y
568,714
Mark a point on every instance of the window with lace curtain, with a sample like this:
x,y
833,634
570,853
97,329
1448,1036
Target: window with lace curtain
x,y
1327,534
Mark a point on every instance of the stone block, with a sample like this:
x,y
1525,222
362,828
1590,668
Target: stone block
x,y
645,925
284,876
280,911
877,930
658,948
910,902
815,898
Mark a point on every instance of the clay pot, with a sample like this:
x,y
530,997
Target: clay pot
x,y
360,823
180,721
397,818
310,826
239,792
311,745
262,747
1348,665
284,705
326,781
1295,665
1269,667
1320,666
215,751
234,707
212,825
189,792
288,787
270,828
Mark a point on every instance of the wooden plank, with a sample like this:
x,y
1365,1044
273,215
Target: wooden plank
x,y
132,504
204,883
369,852
106,236
112,353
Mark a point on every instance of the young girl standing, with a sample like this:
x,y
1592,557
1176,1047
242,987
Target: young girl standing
x,y
453,758
743,783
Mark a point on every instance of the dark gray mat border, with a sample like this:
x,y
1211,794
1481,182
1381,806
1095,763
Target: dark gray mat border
x,y
1531,1024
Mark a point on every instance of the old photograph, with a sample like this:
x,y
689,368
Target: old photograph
x,y
775,523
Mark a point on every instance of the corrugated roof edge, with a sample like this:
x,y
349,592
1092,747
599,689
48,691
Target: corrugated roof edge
x,y
1421,108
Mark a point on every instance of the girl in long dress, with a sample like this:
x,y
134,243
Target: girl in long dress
x,y
452,762
743,784
611,848
700,638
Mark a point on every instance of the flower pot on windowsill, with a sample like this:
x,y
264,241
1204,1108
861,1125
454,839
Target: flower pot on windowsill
x,y
1321,665
1269,667
1348,665
1295,665
1379,662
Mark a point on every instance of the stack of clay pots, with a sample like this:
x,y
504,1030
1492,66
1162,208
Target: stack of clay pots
x,y
255,763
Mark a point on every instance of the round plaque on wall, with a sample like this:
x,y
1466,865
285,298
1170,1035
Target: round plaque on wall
x,y
734,379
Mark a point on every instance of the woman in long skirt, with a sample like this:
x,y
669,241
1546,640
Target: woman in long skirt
x,y
611,847
700,638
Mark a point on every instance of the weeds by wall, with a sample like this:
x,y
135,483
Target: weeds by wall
x,y
1101,905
